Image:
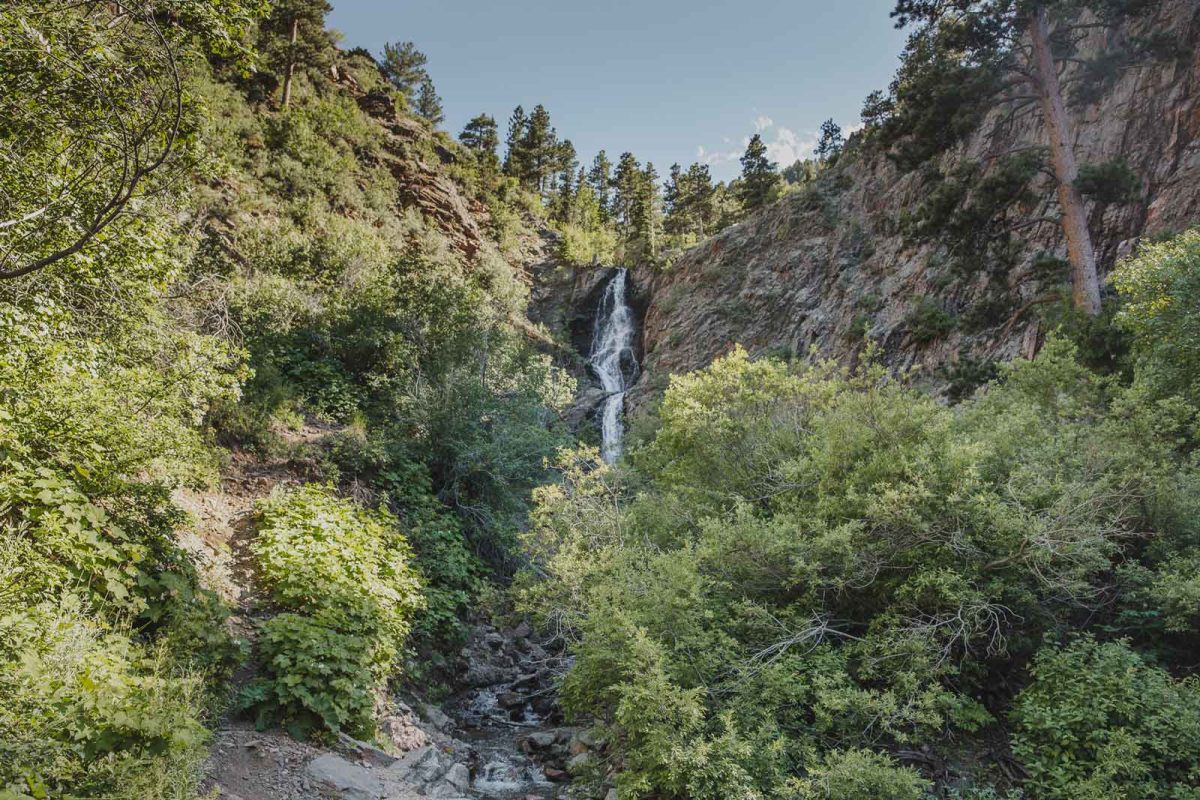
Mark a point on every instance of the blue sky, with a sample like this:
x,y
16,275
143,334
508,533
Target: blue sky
x,y
669,80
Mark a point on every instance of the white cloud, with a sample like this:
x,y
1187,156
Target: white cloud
x,y
784,145
705,156
787,147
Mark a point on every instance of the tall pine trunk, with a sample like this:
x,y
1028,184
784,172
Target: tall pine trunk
x,y
1085,281
291,65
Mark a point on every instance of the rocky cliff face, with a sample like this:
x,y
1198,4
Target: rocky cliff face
x,y
827,267
422,185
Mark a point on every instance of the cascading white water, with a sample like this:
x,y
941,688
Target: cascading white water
x,y
613,360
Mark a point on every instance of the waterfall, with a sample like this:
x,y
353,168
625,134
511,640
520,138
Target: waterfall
x,y
613,361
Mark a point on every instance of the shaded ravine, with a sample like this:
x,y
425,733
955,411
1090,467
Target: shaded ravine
x,y
613,360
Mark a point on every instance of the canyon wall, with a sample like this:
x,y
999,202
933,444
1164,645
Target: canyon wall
x,y
827,267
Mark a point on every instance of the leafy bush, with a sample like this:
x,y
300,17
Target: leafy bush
x,y
1109,182
928,321
807,561
85,711
1160,288
857,774
344,575
319,675
1098,721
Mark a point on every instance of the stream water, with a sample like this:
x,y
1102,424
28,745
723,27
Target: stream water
x,y
613,360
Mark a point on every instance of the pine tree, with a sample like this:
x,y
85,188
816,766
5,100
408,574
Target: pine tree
x,y
293,36
800,172
481,135
566,186
759,178
600,178
830,143
644,215
626,184
404,67
585,207
482,138
672,190
516,159
541,145
648,214
700,199
969,55
429,105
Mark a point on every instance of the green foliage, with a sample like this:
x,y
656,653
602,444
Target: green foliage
x,y
970,212
85,711
293,36
404,66
1109,182
854,774
1098,721
967,374
938,96
121,128
759,177
928,321
1160,288
807,565
344,575
318,676
587,246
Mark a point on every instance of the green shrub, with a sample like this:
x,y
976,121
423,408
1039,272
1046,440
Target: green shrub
x,y
928,321
578,245
858,775
1160,288
319,675
344,574
833,561
1098,721
85,711
1109,182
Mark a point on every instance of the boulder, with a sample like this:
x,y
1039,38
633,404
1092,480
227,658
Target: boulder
x,y
578,762
436,717
403,732
459,777
350,781
540,740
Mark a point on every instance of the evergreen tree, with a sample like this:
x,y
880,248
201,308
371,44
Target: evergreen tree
x,y
565,185
482,138
830,143
876,108
801,171
541,146
429,105
699,207
585,207
516,159
404,67
688,197
626,185
481,135
672,190
600,179
967,55
294,35
647,215
759,178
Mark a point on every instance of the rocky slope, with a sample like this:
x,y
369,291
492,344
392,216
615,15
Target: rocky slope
x,y
827,266
422,185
